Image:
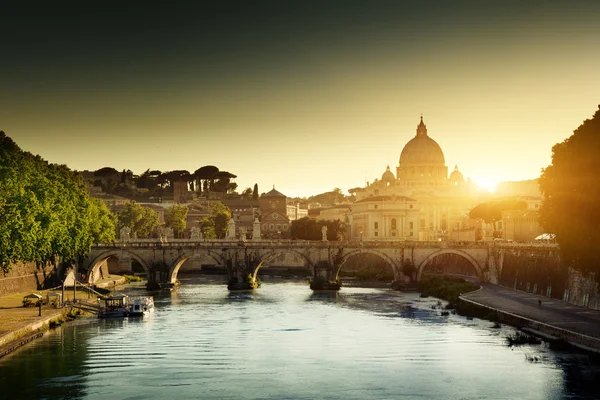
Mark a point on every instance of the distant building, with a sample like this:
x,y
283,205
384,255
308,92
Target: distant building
x,y
294,212
339,212
439,203
385,217
530,188
274,221
181,194
522,225
112,201
243,213
443,202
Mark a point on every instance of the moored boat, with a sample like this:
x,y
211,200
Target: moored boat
x,y
140,306
115,306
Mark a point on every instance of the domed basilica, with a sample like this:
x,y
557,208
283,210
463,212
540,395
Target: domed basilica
x,y
420,203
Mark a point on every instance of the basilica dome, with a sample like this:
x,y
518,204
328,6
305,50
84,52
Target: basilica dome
x,y
422,150
388,176
456,177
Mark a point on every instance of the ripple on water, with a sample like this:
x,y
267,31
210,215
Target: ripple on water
x,y
285,342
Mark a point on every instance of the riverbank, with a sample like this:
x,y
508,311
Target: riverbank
x,y
18,322
551,319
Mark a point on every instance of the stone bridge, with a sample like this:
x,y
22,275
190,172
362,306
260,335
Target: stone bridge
x,y
243,260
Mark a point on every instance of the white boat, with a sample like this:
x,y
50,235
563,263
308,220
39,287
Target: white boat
x,y
140,306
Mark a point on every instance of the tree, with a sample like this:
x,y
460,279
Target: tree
x,y
491,211
148,180
255,192
308,228
142,220
205,176
247,194
110,178
102,222
45,210
223,183
215,224
334,197
571,188
175,176
176,219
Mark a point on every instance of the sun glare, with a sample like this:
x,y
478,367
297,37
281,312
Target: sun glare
x,y
487,184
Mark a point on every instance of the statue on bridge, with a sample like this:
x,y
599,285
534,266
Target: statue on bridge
x,y
324,233
195,233
256,229
231,229
165,234
124,234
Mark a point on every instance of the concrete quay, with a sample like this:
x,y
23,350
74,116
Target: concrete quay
x,y
555,319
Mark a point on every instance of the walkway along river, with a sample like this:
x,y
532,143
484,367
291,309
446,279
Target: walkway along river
x,y
284,341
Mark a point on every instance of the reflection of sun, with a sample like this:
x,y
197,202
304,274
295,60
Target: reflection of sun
x,y
487,184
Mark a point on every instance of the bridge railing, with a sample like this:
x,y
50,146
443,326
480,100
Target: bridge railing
x,y
287,243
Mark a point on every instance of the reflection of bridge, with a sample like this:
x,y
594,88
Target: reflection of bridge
x,y
324,260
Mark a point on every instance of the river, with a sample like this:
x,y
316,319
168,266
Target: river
x,y
285,342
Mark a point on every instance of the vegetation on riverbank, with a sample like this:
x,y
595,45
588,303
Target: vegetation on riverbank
x,y
132,278
447,288
370,274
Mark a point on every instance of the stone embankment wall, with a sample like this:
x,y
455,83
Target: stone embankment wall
x,y
582,290
24,277
540,328
543,273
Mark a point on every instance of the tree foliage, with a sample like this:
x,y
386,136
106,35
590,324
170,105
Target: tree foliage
x,y
45,210
330,198
142,220
571,188
308,228
491,211
176,219
214,225
206,177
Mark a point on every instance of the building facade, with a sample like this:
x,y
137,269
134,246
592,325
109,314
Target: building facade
x,y
440,203
275,223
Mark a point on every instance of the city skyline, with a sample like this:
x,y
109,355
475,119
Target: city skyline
x,y
302,96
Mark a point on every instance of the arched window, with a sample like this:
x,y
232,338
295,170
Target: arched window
x,y
393,223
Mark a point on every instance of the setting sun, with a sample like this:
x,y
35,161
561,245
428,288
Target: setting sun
x,y
487,184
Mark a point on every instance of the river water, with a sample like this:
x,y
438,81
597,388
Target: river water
x,y
285,342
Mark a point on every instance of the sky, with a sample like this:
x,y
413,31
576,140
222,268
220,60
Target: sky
x,y
305,96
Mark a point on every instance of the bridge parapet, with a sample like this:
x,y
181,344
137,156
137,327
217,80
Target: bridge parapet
x,y
320,244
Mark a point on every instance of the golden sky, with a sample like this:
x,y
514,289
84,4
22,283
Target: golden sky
x,y
306,96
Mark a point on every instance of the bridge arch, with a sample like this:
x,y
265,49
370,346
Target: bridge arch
x,y
95,263
273,254
174,270
378,253
478,268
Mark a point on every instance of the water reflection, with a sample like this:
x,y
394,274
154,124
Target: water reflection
x,y
325,297
283,341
